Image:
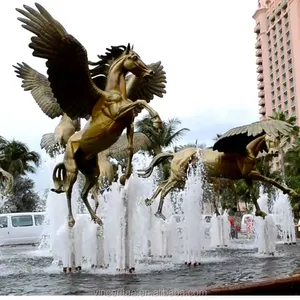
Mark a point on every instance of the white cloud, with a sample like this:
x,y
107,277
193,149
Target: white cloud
x,y
206,47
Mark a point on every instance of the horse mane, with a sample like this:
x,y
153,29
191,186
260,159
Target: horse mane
x,y
100,72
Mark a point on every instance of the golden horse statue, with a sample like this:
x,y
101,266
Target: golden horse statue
x,y
6,182
39,85
237,159
78,96
118,151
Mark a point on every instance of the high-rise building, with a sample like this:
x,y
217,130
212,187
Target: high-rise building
x,y
278,57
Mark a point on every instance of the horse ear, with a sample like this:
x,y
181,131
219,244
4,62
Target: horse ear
x,y
128,48
132,47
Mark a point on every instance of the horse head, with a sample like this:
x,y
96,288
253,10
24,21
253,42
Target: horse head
x,y
272,144
134,64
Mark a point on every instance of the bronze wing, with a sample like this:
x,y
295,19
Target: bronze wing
x,y
40,89
236,139
119,149
67,62
146,89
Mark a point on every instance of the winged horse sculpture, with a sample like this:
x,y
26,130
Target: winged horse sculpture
x,y
233,156
78,96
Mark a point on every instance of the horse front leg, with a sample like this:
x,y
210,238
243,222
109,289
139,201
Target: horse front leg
x,y
258,211
148,201
128,171
165,191
255,175
140,104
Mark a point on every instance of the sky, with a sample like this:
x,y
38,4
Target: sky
x,y
206,47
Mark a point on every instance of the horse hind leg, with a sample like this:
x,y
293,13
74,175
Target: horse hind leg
x,y
89,183
70,180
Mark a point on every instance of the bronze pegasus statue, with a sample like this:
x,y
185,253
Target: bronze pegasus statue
x,y
233,156
111,108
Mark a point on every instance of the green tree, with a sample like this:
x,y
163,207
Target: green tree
x,y
164,138
23,197
161,139
285,141
16,158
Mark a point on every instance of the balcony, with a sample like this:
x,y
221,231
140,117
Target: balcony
x,y
261,93
258,52
262,110
260,77
262,102
258,44
261,86
257,28
259,61
259,69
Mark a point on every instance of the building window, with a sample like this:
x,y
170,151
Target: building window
x,y
292,101
273,103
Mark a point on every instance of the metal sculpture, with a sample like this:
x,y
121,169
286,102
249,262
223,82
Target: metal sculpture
x,y
237,159
78,96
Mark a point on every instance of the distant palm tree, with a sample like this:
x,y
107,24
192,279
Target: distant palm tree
x,y
16,158
163,138
285,140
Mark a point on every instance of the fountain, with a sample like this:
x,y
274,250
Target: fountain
x,y
265,230
284,217
220,230
131,233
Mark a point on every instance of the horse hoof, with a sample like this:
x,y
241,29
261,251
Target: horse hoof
x,y
122,180
71,223
148,202
160,215
64,269
57,191
189,264
98,221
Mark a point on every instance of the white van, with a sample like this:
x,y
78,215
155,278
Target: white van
x,y
21,228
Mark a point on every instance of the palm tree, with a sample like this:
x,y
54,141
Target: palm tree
x,y
16,158
160,139
163,138
285,140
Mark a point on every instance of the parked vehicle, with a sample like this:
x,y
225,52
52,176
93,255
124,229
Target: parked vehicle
x,y
21,228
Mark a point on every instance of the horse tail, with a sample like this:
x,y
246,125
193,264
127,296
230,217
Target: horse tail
x,y
158,159
59,177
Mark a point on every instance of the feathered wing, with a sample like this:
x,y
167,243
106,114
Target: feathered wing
x,y
7,181
51,144
236,139
119,150
40,89
146,89
67,62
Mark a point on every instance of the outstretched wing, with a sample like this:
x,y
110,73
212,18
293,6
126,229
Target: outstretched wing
x,y
40,89
236,139
146,89
119,149
67,62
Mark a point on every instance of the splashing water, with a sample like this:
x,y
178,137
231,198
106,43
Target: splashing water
x,y
282,211
131,233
